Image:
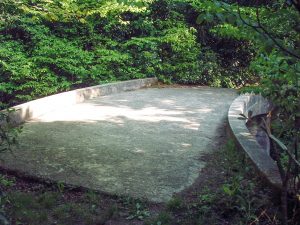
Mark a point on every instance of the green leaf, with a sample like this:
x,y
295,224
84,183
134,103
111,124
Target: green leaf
x,y
200,19
209,17
280,143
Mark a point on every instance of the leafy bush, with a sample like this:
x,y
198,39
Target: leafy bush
x,y
47,47
114,65
144,52
21,79
8,132
64,58
179,53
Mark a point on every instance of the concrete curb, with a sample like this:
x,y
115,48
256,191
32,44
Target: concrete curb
x,y
39,107
246,141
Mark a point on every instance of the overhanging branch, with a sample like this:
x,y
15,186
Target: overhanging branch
x,y
258,27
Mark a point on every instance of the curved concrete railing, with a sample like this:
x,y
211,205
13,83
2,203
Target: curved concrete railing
x,y
246,141
41,106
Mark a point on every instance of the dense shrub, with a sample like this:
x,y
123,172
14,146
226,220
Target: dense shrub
x,y
51,46
21,79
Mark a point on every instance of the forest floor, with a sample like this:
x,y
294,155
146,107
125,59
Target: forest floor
x,y
227,192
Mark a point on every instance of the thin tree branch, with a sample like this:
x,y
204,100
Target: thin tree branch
x,y
260,26
256,28
263,31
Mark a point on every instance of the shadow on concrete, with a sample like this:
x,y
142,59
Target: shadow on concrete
x,y
145,143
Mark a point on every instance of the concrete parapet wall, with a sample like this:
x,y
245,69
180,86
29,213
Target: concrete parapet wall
x,y
41,106
246,141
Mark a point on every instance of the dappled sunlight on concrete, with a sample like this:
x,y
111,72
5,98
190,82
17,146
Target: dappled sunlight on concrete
x,y
205,110
118,112
88,113
168,101
145,143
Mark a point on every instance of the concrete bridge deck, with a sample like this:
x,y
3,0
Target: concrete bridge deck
x,y
144,143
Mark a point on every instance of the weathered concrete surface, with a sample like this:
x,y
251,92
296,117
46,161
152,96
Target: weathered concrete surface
x,y
41,106
145,143
246,141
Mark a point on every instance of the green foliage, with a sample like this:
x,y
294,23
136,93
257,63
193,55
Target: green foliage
x,y
50,207
238,197
280,78
113,65
8,132
179,54
144,53
163,218
61,187
52,46
6,182
273,33
21,78
175,203
48,200
139,212
64,58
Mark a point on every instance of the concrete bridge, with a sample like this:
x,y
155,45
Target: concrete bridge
x,y
144,143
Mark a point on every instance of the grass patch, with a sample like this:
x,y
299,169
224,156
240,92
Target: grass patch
x,y
175,203
163,218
